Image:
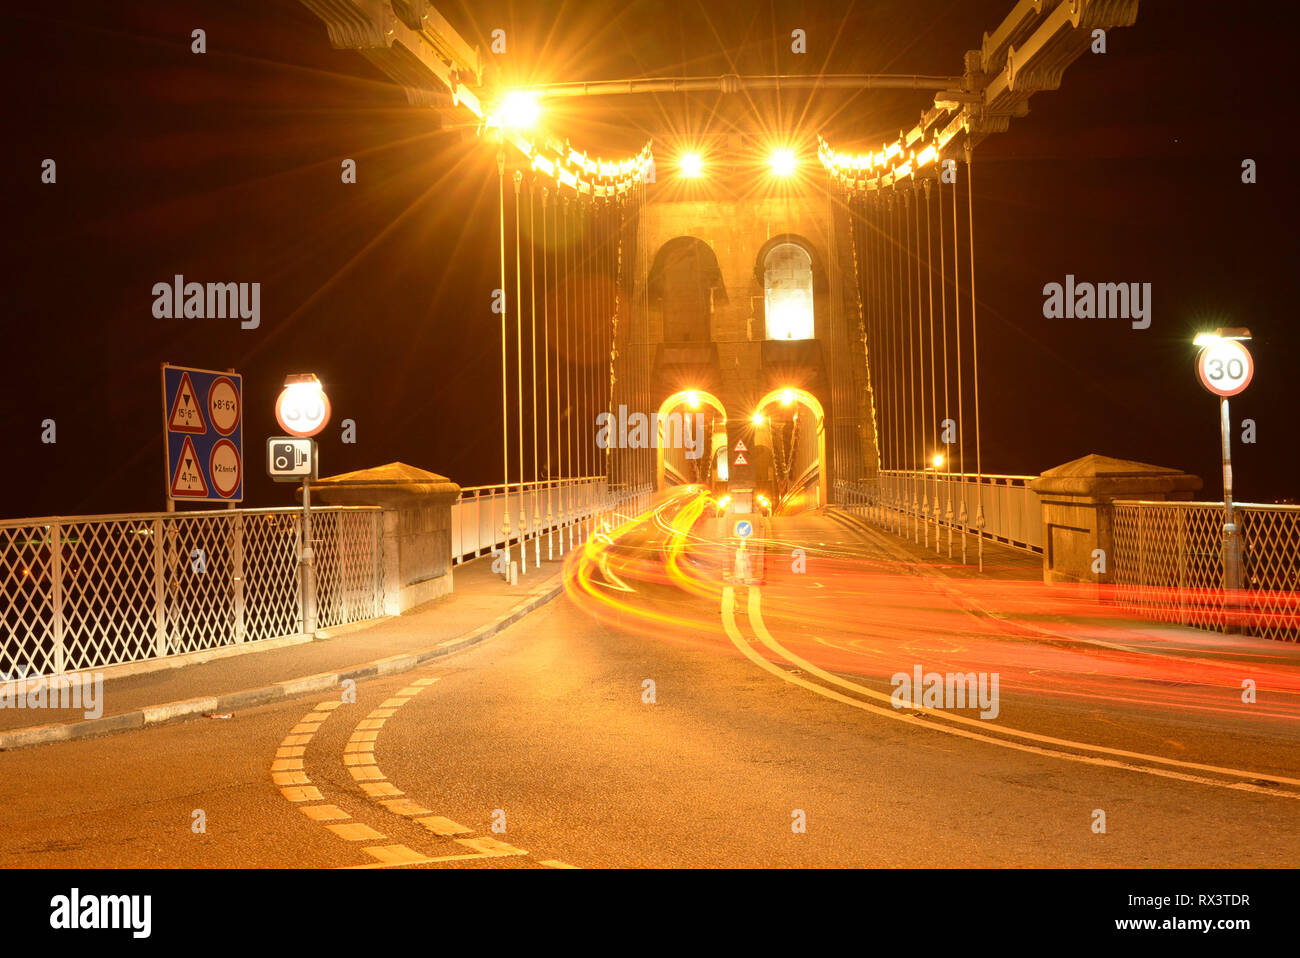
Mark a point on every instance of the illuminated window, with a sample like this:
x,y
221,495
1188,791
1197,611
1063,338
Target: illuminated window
x,y
788,287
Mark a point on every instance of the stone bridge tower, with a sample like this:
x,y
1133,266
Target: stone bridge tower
x,y
744,299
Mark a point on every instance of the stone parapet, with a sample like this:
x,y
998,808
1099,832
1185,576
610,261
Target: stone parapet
x,y
1078,523
417,526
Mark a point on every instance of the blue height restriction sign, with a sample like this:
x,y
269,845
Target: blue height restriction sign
x,y
203,412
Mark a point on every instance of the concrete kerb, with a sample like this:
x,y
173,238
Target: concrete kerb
x,y
292,688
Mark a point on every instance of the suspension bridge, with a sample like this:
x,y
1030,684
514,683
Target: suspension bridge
x,y
739,410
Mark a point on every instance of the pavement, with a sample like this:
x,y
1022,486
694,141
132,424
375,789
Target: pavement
x,y
480,606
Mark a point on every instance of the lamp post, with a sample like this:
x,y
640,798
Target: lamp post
x,y
302,410
1225,368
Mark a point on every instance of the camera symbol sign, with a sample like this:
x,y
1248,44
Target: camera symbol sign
x,y
290,458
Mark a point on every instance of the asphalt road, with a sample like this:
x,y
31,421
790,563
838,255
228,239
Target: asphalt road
x,y
542,747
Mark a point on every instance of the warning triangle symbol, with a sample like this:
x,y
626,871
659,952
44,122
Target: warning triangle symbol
x,y
187,480
186,414
740,446
740,458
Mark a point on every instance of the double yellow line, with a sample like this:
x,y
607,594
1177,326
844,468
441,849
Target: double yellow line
x,y
963,726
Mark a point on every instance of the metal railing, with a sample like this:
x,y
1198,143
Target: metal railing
x,y
928,507
1168,565
93,591
553,514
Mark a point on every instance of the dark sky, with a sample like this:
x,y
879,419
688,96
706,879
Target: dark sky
x,y
225,167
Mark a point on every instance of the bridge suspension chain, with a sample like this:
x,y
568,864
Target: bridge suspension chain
x,y
943,319
893,242
933,509
566,446
505,408
962,514
975,348
546,367
532,340
519,362
916,355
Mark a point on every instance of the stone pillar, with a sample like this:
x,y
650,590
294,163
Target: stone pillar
x,y
1077,515
417,527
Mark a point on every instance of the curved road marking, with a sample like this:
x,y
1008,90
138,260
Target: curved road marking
x,y
288,773
746,649
359,759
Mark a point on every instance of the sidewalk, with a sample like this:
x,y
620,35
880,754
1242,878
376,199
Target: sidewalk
x,y
480,606
1011,592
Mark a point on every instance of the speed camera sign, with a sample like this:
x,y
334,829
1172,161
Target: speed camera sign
x,y
1225,367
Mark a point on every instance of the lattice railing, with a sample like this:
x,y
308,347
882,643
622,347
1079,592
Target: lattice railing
x,y
550,509
349,568
480,515
94,591
928,506
1168,565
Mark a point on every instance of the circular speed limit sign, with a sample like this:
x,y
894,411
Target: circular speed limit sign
x,y
1225,368
302,409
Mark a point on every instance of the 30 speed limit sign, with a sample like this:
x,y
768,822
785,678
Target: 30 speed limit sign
x,y
1225,368
302,408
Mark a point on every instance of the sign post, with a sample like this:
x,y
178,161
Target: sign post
x,y
203,424
1225,368
302,410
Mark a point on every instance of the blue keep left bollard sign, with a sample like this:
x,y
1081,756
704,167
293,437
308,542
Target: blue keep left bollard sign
x,y
744,529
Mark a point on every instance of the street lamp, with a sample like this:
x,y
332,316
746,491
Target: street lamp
x,y
691,165
519,110
782,162
303,409
1225,368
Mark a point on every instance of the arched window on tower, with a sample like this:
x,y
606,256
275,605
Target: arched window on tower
x,y
686,283
788,292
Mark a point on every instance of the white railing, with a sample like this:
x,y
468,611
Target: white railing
x,y
929,507
92,591
1168,565
551,515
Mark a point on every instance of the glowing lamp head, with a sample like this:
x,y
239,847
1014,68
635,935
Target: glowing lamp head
x,y
693,399
1235,333
757,419
782,162
937,460
519,110
787,397
302,408
691,165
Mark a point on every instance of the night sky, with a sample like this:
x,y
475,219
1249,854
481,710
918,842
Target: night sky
x,y
225,167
